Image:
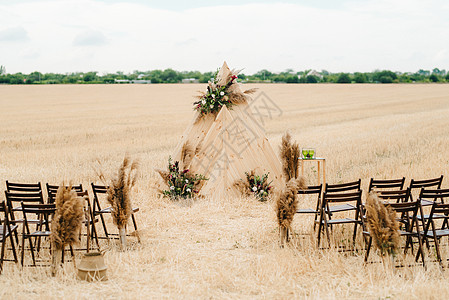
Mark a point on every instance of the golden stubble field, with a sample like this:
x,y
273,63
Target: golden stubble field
x,y
222,248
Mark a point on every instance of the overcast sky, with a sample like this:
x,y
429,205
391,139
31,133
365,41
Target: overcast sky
x,y
112,35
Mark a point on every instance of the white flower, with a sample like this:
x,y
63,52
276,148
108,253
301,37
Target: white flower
x,y
221,93
213,96
188,190
203,102
254,188
187,181
211,106
172,188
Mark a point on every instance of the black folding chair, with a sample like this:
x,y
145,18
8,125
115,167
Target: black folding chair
x,y
406,213
439,212
98,211
339,203
44,214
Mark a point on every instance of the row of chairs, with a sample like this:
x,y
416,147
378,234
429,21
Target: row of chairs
x,y
345,197
28,200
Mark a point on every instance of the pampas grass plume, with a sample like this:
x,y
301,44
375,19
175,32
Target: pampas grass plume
x,y
119,192
290,154
286,203
66,225
382,223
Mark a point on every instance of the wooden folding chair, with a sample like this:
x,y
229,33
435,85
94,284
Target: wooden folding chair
x,y
6,230
386,184
406,213
339,203
439,212
312,190
53,189
44,214
14,200
97,210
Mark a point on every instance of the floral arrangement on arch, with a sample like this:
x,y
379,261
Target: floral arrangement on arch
x,y
221,92
182,183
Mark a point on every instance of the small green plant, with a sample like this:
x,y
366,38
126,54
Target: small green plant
x,y
181,183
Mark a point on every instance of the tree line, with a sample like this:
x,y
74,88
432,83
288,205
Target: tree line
x,y
265,76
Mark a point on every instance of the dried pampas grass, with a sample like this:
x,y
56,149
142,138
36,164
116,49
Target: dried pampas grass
x,y
119,192
382,224
290,154
66,225
286,205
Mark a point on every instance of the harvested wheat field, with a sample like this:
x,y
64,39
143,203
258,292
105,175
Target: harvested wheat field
x,y
215,247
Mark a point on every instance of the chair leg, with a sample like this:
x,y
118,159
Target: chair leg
x,y
32,251
22,254
368,249
11,238
134,222
104,226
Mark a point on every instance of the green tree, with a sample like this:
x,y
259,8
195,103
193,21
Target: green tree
x,y
311,79
90,76
2,70
385,79
344,78
434,78
359,78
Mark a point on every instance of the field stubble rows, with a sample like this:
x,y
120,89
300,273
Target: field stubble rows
x,y
222,248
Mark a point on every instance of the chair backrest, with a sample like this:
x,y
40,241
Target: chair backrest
x,y
98,189
424,183
390,184
42,212
23,187
395,196
14,200
53,189
343,187
434,195
343,197
312,189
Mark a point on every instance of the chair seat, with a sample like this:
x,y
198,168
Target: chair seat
x,y
13,228
341,221
425,202
435,216
306,211
342,207
439,232
40,233
108,210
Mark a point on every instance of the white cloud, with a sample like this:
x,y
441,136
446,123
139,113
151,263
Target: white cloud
x,y
361,37
13,34
90,38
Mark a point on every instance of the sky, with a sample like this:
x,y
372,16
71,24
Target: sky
x,y
64,36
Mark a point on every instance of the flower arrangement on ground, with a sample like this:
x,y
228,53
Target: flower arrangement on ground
x,y
182,183
259,185
255,185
